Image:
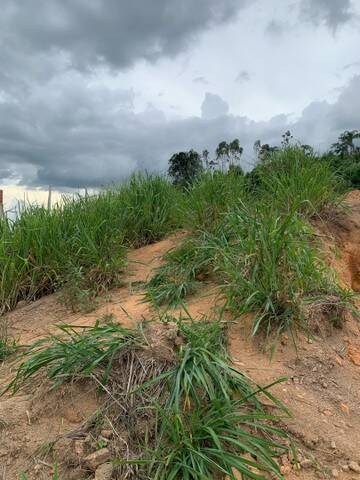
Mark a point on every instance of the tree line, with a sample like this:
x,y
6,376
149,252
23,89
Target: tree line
x,y
343,156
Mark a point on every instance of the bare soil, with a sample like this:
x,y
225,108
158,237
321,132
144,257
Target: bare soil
x,y
322,389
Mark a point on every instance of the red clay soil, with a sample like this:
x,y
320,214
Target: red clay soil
x,y
322,390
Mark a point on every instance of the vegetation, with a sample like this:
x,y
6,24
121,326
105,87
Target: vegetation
x,y
185,167
252,234
82,242
7,343
213,417
75,353
255,239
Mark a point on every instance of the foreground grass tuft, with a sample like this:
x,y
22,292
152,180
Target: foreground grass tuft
x,y
210,419
75,353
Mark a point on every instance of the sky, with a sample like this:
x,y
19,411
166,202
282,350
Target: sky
x,y
93,90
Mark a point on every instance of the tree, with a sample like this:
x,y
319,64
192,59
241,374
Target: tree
x,y
345,145
222,153
286,139
263,152
235,151
184,167
205,159
308,150
229,153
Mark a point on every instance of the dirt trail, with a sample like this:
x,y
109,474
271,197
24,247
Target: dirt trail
x,y
322,390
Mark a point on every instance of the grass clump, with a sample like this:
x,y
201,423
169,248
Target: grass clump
x,y
269,266
209,198
75,353
186,266
216,441
290,180
205,431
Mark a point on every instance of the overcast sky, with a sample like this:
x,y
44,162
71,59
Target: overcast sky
x,y
91,90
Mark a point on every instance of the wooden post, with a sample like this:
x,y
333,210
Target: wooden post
x,y
2,214
49,199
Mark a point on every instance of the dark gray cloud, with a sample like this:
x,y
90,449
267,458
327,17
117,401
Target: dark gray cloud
x,y
114,32
332,13
92,137
64,120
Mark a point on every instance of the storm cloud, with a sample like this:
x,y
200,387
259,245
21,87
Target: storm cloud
x,y
80,82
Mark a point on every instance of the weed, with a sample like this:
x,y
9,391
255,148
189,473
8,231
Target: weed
x,y
183,271
76,352
215,441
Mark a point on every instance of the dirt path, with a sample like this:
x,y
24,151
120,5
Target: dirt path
x,y
322,390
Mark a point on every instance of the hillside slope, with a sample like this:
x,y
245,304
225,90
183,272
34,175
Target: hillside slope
x,y
322,390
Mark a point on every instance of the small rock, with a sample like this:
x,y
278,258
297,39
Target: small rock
x,y
345,468
97,458
285,469
104,472
324,385
306,463
106,433
333,445
334,473
354,466
79,447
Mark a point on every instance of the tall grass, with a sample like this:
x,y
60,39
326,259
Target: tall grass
x,y
270,264
209,198
83,240
260,245
292,179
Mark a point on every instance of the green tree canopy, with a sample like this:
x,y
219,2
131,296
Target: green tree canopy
x,y
184,167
